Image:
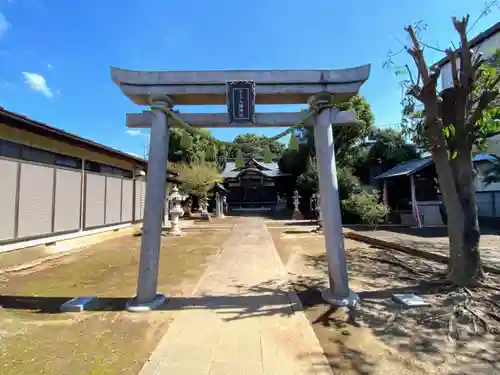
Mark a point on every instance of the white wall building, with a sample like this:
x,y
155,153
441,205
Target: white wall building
x,y
486,43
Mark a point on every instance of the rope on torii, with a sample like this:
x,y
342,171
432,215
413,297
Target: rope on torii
x,y
316,105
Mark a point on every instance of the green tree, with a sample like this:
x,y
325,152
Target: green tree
x,y
268,156
449,123
364,204
307,181
292,143
252,144
239,161
388,148
211,153
186,140
198,178
347,139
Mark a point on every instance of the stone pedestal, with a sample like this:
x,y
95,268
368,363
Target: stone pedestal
x,y
176,212
166,218
218,206
187,208
319,219
205,215
296,215
221,206
224,205
338,292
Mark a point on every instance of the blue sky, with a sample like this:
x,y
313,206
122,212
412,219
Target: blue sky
x,y
55,54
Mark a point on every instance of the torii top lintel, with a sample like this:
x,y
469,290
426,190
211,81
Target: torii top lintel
x,y
209,87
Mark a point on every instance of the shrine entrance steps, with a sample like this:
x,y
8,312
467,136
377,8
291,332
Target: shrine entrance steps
x,y
241,319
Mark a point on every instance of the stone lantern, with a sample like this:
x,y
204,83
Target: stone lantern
x,y
204,208
318,211
296,215
224,204
176,211
219,205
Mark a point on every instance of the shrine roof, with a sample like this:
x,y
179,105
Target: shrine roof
x,y
413,166
268,169
406,169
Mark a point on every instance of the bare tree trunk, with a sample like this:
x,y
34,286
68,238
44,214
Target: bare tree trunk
x,y
450,121
454,212
465,260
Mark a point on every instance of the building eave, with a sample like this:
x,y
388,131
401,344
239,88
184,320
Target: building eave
x,y
488,33
37,127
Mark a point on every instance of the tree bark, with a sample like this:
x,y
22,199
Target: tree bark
x,y
465,260
447,113
463,228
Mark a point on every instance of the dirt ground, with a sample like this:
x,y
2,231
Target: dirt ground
x,y
383,337
36,339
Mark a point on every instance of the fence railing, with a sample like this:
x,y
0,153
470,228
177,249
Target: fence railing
x,y
40,200
488,203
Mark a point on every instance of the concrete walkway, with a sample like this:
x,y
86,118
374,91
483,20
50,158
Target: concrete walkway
x,y
240,321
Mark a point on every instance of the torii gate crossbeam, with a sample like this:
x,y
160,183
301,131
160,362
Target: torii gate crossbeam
x,y
209,87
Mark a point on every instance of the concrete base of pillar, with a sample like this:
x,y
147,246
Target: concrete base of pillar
x,y
205,216
134,306
297,215
351,301
319,228
177,232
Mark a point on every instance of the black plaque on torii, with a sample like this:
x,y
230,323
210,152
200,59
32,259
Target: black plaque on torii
x,y
241,101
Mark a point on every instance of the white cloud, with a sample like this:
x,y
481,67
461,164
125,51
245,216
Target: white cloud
x,y
49,66
38,83
133,132
4,25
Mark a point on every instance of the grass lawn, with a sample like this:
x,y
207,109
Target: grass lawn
x,y
34,339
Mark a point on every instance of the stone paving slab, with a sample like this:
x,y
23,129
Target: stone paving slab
x,y
240,320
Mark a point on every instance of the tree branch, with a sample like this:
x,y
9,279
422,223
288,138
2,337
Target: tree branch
x,y
417,54
410,74
466,71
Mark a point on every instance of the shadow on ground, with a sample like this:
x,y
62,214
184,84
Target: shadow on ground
x,y
261,300
446,333
427,232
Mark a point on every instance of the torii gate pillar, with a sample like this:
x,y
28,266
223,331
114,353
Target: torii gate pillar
x,y
209,87
147,297
338,293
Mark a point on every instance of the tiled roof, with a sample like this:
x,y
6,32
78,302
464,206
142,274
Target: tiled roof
x,y
488,33
413,166
267,169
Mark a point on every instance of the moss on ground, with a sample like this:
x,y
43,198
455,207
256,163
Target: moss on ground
x,y
34,341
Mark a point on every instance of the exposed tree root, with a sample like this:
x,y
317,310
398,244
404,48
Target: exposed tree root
x,y
464,310
482,284
395,261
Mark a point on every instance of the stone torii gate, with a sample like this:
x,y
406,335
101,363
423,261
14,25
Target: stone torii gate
x,y
165,89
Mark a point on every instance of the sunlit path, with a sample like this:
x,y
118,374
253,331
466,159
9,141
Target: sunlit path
x,y
240,321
